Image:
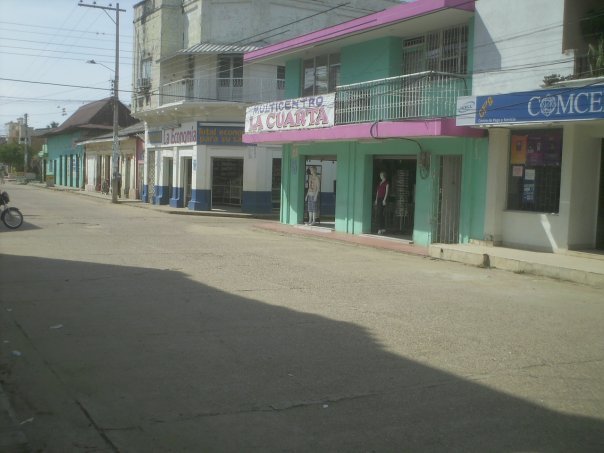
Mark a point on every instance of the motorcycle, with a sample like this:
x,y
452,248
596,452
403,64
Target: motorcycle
x,y
11,216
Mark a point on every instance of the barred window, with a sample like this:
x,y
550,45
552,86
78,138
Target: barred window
x,y
443,50
535,171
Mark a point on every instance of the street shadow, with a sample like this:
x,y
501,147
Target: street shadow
x,y
25,226
164,363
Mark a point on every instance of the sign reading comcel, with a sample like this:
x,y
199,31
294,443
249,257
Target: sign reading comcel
x,y
302,113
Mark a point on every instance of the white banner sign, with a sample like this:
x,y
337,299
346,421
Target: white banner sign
x,y
302,113
186,134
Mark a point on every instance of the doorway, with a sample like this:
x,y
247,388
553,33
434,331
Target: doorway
x,y
150,176
448,201
227,182
187,180
169,175
401,174
276,184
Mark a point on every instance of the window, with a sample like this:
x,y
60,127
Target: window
x,y
230,70
281,77
321,74
535,171
443,51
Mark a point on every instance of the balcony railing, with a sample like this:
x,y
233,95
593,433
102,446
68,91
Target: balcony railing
x,y
217,89
426,94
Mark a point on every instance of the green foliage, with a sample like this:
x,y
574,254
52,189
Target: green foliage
x,y
13,155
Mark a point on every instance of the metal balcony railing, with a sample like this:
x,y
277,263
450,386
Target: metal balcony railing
x,y
428,94
218,89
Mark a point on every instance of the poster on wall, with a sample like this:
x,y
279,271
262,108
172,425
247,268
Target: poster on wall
x,y
310,112
517,171
528,192
518,152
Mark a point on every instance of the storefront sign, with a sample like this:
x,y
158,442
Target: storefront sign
x,y
302,113
219,135
564,104
155,137
186,134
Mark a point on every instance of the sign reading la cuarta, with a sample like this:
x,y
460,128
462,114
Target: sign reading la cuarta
x,y
563,104
302,113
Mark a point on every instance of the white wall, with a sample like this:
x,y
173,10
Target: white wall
x,y
516,44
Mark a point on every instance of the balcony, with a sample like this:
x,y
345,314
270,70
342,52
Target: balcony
x,y
428,94
211,89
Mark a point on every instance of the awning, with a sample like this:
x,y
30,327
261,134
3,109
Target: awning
x,y
208,48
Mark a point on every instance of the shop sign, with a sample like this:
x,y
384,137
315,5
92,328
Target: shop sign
x,y
564,104
219,135
292,114
155,137
185,134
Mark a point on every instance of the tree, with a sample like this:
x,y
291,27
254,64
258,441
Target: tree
x,y
13,155
53,125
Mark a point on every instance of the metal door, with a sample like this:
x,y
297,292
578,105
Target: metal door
x,y
447,182
150,176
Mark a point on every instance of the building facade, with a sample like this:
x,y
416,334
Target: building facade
x,y
543,109
192,88
65,164
428,93
98,161
378,95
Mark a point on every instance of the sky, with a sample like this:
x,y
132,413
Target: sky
x,y
45,42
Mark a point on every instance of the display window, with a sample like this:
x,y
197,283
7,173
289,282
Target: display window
x,y
535,170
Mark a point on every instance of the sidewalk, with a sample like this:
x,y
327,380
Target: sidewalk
x,y
579,267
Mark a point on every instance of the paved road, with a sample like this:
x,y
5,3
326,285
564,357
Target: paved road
x,y
146,332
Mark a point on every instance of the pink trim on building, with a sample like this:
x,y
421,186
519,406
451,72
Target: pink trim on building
x,y
368,131
384,18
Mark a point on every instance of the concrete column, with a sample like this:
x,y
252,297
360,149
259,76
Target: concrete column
x,y
497,170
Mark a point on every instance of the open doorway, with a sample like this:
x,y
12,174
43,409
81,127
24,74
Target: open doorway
x,y
401,173
321,170
187,180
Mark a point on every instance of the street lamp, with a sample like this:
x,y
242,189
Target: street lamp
x,y
96,62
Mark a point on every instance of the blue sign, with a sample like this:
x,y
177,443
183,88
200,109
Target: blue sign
x,y
564,104
219,135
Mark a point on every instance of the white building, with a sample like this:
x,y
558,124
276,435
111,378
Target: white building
x,y
191,90
541,99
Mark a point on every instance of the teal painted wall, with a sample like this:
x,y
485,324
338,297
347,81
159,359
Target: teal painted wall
x,y
67,158
354,198
371,60
293,78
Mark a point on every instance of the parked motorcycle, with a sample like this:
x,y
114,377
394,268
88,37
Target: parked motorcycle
x,y
11,216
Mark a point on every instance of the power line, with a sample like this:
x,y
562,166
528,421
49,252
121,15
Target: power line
x,y
64,45
60,29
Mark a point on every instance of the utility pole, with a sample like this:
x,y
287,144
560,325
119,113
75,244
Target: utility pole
x,y
26,149
116,144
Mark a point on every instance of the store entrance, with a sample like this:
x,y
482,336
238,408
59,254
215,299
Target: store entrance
x,y
227,182
187,180
320,179
401,173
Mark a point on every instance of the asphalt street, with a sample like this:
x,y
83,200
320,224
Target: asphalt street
x,y
126,329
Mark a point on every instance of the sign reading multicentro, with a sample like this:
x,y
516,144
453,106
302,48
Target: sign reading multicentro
x,y
565,104
302,113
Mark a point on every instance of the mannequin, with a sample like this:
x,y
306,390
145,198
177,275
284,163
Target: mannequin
x,y
381,195
314,188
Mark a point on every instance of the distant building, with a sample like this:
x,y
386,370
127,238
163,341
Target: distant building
x,y
65,161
